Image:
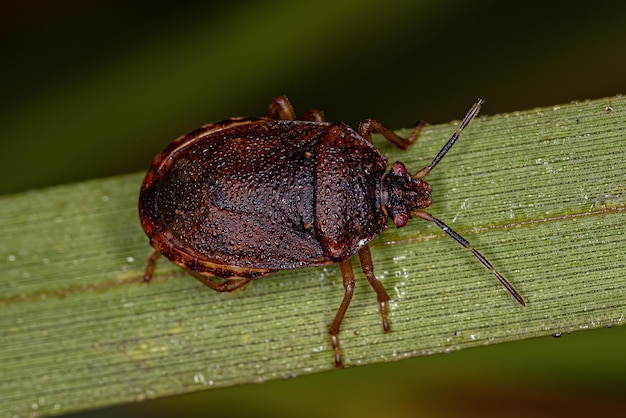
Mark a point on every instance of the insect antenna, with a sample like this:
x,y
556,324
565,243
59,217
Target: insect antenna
x,y
466,120
458,238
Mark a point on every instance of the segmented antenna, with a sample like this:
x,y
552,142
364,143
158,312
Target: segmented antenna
x,y
471,114
466,120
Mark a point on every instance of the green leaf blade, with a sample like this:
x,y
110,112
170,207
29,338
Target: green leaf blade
x,y
540,193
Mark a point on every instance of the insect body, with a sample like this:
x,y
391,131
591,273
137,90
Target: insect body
x,y
239,199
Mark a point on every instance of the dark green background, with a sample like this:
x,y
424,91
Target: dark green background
x,y
94,89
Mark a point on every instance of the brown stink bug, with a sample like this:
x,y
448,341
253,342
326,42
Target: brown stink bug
x,y
242,198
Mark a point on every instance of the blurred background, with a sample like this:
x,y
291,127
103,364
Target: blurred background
x,y
96,89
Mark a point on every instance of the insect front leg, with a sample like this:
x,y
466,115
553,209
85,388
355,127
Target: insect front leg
x,y
365,257
366,127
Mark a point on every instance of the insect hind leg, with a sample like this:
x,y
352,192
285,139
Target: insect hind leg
x,y
228,285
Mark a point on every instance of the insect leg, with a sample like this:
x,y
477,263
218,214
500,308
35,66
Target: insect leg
x,y
347,275
365,257
227,285
428,217
366,127
147,275
314,115
282,106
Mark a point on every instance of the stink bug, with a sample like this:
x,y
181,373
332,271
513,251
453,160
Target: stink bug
x,y
239,199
